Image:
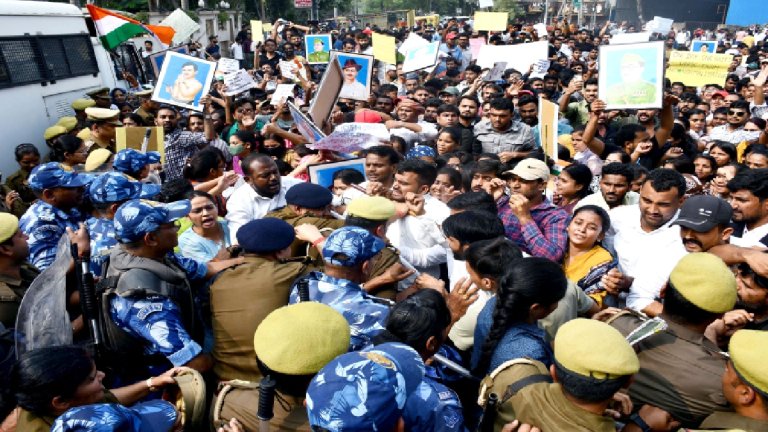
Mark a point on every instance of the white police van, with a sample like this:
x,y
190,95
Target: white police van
x,y
49,56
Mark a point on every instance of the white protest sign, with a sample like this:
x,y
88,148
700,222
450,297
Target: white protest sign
x,y
282,91
625,38
238,82
184,26
541,29
520,56
377,130
421,57
228,65
412,41
660,24
486,3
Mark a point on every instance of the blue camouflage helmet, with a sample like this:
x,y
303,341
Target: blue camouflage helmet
x,y
420,151
350,246
364,390
131,161
136,217
114,187
152,416
52,175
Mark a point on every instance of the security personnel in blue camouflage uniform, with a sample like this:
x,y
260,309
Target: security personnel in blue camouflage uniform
x,y
134,163
153,301
107,192
156,415
60,192
346,253
365,390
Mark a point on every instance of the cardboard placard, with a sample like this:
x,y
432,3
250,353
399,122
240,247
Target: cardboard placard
x,y
327,92
283,91
697,69
182,24
257,31
322,174
132,137
548,112
491,21
632,75
422,57
520,56
238,82
227,65
384,48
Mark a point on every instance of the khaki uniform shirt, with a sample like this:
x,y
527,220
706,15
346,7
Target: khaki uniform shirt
x,y
298,247
18,182
542,404
680,372
733,422
149,119
241,401
11,292
18,208
93,144
241,297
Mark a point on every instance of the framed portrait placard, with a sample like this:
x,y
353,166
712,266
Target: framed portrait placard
x,y
356,72
322,174
704,46
318,48
632,75
183,80
156,59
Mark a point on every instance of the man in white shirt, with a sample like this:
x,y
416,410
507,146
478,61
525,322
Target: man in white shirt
x,y
418,235
615,183
409,127
749,199
264,190
646,242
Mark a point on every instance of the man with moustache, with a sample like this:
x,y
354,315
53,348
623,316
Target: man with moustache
x,y
749,199
704,222
264,191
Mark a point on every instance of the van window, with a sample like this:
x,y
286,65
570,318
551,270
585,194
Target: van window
x,y
33,59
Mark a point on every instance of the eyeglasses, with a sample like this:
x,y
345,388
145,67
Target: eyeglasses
x,y
737,113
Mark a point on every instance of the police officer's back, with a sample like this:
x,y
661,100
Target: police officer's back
x,y
291,344
680,369
243,296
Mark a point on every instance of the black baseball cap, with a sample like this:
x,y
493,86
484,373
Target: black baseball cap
x,y
701,213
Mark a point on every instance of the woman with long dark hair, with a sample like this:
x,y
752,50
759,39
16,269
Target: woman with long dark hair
x,y
69,150
506,328
46,382
572,185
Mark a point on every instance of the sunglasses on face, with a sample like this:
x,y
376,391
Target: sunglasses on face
x,y
737,113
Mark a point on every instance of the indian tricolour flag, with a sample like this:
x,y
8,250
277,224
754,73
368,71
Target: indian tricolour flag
x,y
116,29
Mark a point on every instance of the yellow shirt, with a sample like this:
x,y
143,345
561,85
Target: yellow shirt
x,y
578,267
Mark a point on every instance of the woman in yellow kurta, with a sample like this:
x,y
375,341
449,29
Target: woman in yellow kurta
x,y
586,261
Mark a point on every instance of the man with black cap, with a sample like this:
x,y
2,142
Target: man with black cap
x,y
264,275
307,203
704,222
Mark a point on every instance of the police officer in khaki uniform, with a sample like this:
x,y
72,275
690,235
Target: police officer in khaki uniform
x,y
16,275
242,296
103,122
745,384
147,108
680,369
101,97
592,362
307,203
292,343
79,106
